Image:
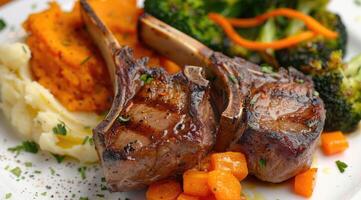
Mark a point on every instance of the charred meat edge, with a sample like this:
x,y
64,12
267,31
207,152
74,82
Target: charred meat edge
x,y
186,50
125,75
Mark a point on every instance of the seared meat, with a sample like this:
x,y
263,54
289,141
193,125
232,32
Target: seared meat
x,y
159,125
281,117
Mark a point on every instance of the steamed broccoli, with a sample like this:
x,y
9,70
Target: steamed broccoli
x,y
189,16
339,87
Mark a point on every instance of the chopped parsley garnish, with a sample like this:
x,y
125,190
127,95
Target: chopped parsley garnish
x,y
262,163
123,120
89,140
341,166
100,195
8,195
16,171
59,158
28,164
82,171
254,99
34,6
83,198
358,2
103,187
60,129
37,172
146,78
44,194
300,81
52,171
24,49
232,79
27,146
266,69
85,60
85,140
2,24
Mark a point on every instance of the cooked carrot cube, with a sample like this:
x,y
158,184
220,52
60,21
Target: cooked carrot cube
x,y
224,185
333,143
233,162
187,197
164,190
305,182
195,183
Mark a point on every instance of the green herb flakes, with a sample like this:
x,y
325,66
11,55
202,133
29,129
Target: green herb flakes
x,y
267,69
28,164
82,171
315,93
358,2
59,158
2,24
146,78
83,198
60,129
8,195
37,172
52,171
103,187
262,163
232,79
341,166
16,171
44,194
100,195
27,146
85,60
300,81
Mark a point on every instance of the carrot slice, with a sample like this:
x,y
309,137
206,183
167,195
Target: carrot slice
x,y
310,22
196,183
305,182
164,190
334,142
187,197
224,185
170,66
233,162
259,46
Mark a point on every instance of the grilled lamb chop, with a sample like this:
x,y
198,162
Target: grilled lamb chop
x,y
281,117
159,125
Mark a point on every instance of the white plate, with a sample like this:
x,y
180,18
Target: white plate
x,y
66,182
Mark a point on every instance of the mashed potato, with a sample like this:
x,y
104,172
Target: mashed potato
x,y
35,112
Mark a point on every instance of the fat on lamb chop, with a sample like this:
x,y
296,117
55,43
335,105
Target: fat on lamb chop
x,y
159,125
281,116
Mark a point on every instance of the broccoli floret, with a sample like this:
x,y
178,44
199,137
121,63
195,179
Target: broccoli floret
x,y
190,17
318,49
340,88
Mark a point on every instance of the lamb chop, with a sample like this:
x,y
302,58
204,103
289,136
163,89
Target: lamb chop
x,y
281,114
159,125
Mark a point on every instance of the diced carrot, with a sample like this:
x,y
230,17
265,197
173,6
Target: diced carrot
x,y
187,197
170,66
224,185
164,190
305,182
210,197
233,162
334,142
195,183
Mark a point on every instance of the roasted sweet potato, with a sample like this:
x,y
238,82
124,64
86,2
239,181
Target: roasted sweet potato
x,y
66,61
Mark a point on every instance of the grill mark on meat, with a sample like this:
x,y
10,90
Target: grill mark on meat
x,y
277,118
